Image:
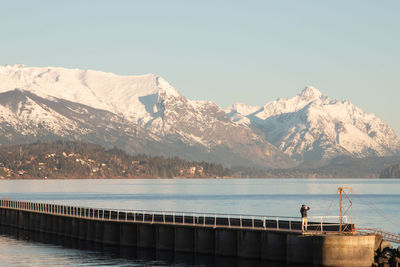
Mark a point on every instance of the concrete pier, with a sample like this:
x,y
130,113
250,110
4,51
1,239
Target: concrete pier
x,y
249,244
128,235
165,237
273,246
226,242
205,241
146,236
184,239
246,240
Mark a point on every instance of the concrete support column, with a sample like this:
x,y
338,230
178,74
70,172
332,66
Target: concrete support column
x,y
42,222
146,236
60,223
273,246
82,229
21,219
49,224
74,227
90,230
128,234
340,250
299,249
53,224
9,217
98,231
165,237
14,218
205,241
184,239
27,221
68,227
225,242
2,215
5,217
34,222
111,233
249,244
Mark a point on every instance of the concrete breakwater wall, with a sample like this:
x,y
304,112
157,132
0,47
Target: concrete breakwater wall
x,y
244,238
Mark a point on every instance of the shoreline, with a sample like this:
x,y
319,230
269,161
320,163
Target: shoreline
x,y
184,178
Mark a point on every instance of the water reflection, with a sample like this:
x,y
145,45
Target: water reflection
x,y
23,248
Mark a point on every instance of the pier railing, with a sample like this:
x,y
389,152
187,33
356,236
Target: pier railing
x,y
260,222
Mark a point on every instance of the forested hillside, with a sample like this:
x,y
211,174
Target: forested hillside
x,y
391,172
84,160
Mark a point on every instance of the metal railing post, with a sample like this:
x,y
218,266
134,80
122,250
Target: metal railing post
x,y
290,224
252,221
322,227
277,223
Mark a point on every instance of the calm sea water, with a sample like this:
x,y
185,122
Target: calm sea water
x,y
376,204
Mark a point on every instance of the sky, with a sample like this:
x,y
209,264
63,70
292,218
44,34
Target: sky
x,y
225,51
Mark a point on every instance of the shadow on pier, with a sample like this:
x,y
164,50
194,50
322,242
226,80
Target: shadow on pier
x,y
138,256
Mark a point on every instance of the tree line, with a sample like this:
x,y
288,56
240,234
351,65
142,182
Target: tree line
x,y
73,159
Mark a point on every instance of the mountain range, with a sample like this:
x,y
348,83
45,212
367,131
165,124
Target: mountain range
x,y
146,115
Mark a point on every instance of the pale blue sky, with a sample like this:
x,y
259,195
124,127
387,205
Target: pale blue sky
x,y
224,51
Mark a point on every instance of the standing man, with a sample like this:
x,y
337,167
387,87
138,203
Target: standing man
x,y
304,222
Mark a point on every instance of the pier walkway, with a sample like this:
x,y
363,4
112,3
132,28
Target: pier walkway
x,y
321,224
270,238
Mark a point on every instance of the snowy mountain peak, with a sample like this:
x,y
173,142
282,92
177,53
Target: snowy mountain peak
x,y
146,112
141,114
15,66
243,109
311,126
310,93
130,96
166,87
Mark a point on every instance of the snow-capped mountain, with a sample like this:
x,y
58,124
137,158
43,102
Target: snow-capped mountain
x,y
141,114
145,114
311,126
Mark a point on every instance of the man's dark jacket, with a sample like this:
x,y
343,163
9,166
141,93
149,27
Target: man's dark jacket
x,y
303,211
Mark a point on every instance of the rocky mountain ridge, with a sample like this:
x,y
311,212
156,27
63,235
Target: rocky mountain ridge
x,y
141,114
311,126
145,114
